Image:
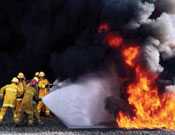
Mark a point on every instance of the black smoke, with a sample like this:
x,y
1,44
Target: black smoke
x,y
58,36
33,33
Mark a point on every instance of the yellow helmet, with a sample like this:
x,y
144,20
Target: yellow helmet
x,y
41,74
21,75
15,80
37,74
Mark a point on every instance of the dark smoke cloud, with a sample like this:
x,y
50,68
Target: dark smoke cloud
x,y
32,31
127,14
152,23
59,36
76,61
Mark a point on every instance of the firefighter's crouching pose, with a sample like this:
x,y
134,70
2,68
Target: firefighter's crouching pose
x,y
9,94
28,105
43,91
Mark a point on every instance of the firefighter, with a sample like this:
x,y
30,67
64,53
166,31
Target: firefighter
x,y
21,86
28,105
43,91
9,94
37,75
22,83
36,80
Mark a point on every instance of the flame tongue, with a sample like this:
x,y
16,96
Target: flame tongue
x,y
130,54
151,109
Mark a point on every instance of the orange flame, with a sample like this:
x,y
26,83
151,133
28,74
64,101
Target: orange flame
x,y
114,40
130,54
151,110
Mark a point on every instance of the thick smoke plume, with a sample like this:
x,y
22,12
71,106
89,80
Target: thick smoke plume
x,y
51,35
152,24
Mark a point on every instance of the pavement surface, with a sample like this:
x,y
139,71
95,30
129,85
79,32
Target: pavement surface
x,y
52,126
58,131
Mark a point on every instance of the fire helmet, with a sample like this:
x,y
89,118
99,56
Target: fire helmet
x,y
37,74
21,75
15,80
34,81
41,74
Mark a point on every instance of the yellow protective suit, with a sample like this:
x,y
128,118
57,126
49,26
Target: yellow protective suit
x,y
21,89
21,85
43,91
28,105
9,94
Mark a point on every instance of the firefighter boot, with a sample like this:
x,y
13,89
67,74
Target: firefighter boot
x,y
37,115
2,114
30,119
17,118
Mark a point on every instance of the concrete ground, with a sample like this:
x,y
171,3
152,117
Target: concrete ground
x,y
58,131
52,126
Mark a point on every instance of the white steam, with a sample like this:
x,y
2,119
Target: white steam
x,y
81,104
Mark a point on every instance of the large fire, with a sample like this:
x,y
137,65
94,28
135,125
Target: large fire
x,y
151,108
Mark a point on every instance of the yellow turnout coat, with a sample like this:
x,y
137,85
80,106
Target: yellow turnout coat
x,y
9,92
